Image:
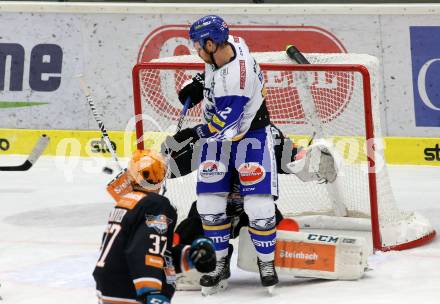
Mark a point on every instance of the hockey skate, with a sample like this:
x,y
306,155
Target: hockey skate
x,y
268,275
216,280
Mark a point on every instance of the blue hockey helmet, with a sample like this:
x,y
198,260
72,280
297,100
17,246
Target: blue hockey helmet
x,y
209,27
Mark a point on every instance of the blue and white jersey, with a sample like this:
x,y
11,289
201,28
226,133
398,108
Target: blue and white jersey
x,y
233,94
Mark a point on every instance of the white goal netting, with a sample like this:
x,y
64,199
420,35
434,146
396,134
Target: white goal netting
x,y
336,98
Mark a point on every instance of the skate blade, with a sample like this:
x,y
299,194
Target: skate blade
x,y
270,290
207,291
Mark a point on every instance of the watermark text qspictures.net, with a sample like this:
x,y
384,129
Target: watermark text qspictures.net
x,y
350,152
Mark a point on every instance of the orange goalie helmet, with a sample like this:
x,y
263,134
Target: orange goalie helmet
x,y
147,168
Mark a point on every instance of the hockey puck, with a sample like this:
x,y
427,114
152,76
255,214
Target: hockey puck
x,y
107,170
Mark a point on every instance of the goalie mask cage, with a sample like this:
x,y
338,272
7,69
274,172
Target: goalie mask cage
x,y
337,98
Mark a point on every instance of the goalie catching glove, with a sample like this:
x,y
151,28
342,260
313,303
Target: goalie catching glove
x,y
193,89
316,162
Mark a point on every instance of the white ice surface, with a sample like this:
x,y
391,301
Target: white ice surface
x,y
52,218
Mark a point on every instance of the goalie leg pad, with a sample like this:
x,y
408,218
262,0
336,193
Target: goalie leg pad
x,y
312,255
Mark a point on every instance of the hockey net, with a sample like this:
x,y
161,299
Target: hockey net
x,y
336,98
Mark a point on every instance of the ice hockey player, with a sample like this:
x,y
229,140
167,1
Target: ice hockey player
x,y
236,127
137,262
182,157
286,153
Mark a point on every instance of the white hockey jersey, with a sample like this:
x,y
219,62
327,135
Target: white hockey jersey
x,y
233,94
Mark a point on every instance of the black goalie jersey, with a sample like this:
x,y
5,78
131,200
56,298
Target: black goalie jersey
x,y
136,253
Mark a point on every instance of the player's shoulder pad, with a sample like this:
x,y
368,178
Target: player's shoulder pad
x,y
157,203
237,77
130,199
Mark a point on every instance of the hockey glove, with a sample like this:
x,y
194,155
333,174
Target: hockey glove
x,y
154,298
202,255
179,141
193,90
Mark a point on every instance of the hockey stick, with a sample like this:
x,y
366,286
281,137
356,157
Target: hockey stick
x,y
310,112
296,55
38,149
182,114
178,128
308,104
101,126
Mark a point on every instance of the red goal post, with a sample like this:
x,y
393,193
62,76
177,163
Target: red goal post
x,y
154,80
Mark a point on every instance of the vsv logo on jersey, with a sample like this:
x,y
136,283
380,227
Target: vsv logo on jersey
x,y
425,55
172,40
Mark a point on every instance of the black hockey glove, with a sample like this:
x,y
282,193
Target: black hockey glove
x,y
153,298
202,255
179,141
193,90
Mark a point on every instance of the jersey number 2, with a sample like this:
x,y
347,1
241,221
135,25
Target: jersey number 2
x,y
224,113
